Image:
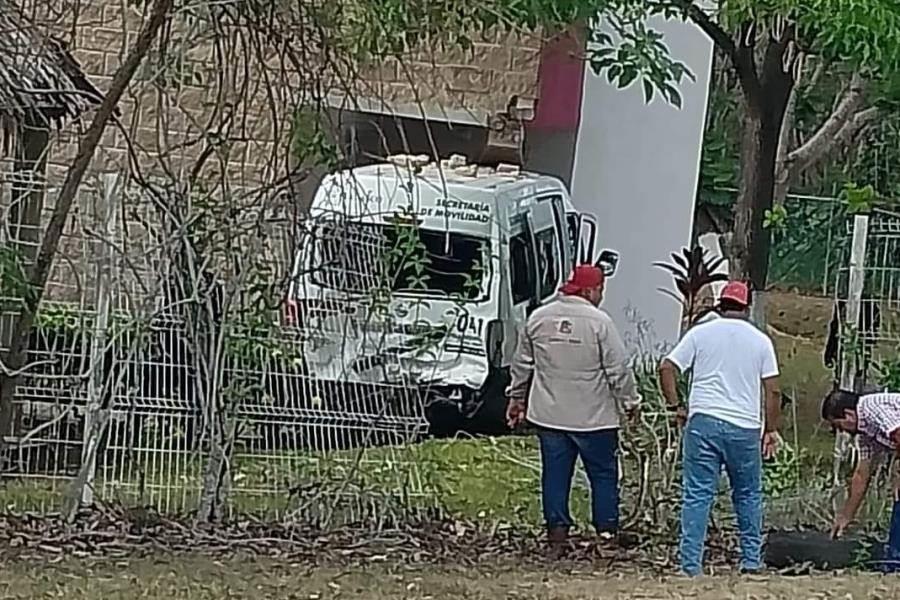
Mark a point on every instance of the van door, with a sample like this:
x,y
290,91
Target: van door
x,y
549,246
522,282
567,232
536,267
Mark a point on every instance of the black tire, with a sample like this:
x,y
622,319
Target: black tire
x,y
490,418
444,419
804,550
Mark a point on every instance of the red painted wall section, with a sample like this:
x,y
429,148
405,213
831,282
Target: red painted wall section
x,y
560,84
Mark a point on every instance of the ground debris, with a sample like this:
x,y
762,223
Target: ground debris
x,y
117,533
112,532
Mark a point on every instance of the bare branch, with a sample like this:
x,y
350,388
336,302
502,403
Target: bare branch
x,y
821,143
853,128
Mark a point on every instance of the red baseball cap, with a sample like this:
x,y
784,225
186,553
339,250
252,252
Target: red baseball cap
x,y
736,291
584,277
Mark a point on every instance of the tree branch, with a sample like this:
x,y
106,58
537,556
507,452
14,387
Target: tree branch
x,y
740,54
782,171
822,141
857,124
705,22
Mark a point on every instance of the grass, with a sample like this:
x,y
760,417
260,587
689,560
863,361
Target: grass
x,y
490,480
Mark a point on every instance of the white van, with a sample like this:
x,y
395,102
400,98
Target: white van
x,y
422,274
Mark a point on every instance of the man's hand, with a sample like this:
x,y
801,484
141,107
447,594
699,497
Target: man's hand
x,y
679,416
633,412
841,522
770,444
515,412
896,488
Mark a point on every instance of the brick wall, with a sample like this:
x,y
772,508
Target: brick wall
x,y
478,83
164,129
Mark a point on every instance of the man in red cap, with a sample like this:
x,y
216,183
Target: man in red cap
x,y
731,361
571,380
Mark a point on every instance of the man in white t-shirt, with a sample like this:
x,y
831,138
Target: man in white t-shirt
x,y
730,360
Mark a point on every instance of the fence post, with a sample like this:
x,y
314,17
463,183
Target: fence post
x,y
107,210
857,279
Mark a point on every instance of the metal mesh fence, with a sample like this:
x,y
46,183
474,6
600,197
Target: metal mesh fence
x,y
806,249
877,336
196,393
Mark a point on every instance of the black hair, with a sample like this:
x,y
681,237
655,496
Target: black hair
x,y
702,314
725,305
837,402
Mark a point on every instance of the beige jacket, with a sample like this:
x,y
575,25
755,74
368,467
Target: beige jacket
x,y
572,367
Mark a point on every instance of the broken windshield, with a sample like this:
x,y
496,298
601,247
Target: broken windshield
x,y
360,257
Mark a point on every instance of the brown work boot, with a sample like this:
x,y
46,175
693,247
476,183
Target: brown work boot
x,y
558,542
620,540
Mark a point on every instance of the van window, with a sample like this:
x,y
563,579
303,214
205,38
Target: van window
x,y
572,222
521,269
565,237
356,257
548,262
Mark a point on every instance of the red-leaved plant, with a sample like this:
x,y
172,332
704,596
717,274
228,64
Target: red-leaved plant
x,y
691,272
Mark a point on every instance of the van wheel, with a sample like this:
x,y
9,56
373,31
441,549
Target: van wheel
x,y
443,416
490,418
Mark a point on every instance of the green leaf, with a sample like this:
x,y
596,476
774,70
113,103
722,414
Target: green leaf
x,y
648,90
628,75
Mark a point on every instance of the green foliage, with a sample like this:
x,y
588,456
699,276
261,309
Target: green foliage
x,y
63,318
636,53
858,199
627,51
310,142
775,218
784,473
865,33
372,29
719,167
887,372
13,278
802,250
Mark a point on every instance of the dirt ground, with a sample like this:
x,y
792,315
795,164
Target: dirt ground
x,y
183,578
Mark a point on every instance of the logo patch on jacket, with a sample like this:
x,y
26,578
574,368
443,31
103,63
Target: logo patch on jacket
x,y
565,326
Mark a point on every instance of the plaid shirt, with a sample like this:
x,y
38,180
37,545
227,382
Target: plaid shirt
x,y
878,415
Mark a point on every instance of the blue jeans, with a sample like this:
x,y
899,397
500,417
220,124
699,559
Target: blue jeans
x,y
598,451
709,444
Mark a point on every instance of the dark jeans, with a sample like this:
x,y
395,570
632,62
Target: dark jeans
x,y
598,452
891,562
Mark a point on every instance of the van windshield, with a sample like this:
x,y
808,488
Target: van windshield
x,y
359,257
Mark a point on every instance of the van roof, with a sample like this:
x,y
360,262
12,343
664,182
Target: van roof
x,y
471,199
456,172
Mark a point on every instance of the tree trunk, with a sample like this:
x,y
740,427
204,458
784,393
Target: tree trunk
x,y
16,356
751,240
766,98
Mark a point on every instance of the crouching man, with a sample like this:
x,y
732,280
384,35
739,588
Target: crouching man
x,y
875,420
571,380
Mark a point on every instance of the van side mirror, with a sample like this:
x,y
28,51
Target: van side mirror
x,y
585,238
608,262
